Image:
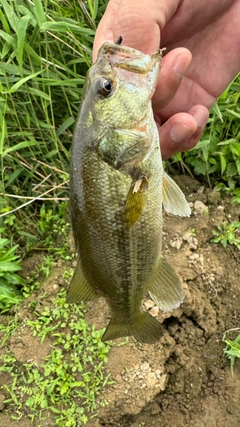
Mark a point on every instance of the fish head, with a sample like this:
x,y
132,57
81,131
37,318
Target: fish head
x,y
119,86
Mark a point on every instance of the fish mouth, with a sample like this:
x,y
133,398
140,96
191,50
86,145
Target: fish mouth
x,y
129,59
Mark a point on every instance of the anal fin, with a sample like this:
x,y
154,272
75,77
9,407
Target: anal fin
x,y
166,289
79,289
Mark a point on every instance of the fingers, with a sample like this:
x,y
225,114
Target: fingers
x,y
174,65
182,131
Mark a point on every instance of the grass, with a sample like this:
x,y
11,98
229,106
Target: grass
x,y
68,386
45,51
232,349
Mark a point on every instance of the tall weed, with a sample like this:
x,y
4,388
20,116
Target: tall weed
x,y
217,155
45,51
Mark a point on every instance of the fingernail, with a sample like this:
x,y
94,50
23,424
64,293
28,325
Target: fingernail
x,y
181,64
180,132
201,117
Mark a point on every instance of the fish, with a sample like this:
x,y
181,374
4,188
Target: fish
x,y
117,189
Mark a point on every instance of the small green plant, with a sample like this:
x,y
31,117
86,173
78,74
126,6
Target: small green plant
x,y
46,266
228,234
236,197
7,329
232,350
193,232
70,382
9,264
55,229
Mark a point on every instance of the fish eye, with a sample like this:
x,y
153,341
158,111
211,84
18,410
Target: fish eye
x,y
103,86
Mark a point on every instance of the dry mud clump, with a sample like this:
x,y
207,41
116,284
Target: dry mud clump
x,y
184,380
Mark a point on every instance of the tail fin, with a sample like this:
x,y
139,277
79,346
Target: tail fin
x,y
144,328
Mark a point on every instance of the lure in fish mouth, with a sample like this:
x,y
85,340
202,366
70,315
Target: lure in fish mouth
x,y
117,189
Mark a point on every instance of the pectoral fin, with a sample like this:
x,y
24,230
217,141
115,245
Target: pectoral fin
x,y
173,198
79,289
166,290
136,201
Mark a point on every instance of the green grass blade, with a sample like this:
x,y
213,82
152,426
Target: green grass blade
x,y
17,86
65,27
95,8
20,146
4,22
65,125
11,15
39,12
22,28
233,113
8,38
3,132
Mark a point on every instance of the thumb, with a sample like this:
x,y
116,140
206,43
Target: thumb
x,y
138,24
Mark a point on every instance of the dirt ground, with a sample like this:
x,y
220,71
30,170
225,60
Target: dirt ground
x,y
184,380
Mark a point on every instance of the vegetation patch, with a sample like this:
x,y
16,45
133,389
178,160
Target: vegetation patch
x,y
228,234
69,385
9,264
217,154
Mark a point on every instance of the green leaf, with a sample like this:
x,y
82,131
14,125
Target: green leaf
x,y
9,39
9,68
66,124
95,7
235,149
223,163
4,22
227,142
238,165
201,144
231,169
11,15
39,12
233,113
22,28
9,266
20,146
36,92
17,85
65,27
217,111
4,242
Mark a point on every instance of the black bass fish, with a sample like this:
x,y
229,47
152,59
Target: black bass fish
x,y
117,188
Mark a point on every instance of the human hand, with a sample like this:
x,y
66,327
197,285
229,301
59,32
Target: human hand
x,y
209,30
